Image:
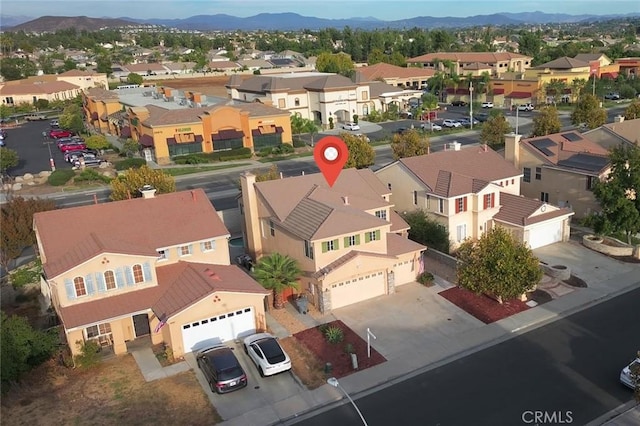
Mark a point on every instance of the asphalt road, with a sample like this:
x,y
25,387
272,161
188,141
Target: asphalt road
x,y
569,367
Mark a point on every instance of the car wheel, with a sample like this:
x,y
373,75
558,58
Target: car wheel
x,y
260,371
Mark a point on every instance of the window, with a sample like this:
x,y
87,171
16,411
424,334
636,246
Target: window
x,y
208,245
382,214
351,240
591,182
372,236
272,229
461,204
297,102
527,174
185,250
538,173
415,197
461,232
440,205
78,284
489,201
110,280
308,249
282,103
163,255
331,245
365,95
544,196
138,277
98,330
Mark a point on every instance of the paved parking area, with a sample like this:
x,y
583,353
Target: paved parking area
x,y
261,393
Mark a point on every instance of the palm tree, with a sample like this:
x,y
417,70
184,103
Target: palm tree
x,y
277,272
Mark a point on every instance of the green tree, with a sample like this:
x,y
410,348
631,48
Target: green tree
x,y
409,144
530,43
97,142
427,231
361,153
619,194
339,63
72,118
555,88
277,272
546,122
134,78
128,184
494,129
130,147
8,158
577,88
22,348
103,64
633,111
589,112
497,265
272,174
375,57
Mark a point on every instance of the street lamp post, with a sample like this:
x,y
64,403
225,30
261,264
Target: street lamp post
x,y
471,105
334,382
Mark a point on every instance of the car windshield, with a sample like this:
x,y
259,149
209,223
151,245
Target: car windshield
x,y
272,351
230,373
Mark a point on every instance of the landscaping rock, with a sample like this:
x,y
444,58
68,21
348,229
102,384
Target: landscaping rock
x,y
31,183
18,179
44,173
16,186
27,176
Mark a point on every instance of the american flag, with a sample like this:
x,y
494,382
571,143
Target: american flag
x,y
421,267
161,324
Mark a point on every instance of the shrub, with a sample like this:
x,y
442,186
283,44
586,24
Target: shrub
x,y
89,354
236,154
191,159
285,148
264,152
60,177
90,175
426,279
130,163
299,143
28,274
349,349
334,334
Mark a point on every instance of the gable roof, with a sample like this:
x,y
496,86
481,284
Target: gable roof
x,y
128,227
628,129
588,57
384,70
518,210
451,173
564,63
50,87
484,57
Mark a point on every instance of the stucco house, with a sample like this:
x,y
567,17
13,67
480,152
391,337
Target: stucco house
x,y
347,239
471,190
499,62
156,265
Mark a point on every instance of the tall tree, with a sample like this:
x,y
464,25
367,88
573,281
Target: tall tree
x,y
619,194
277,272
530,43
8,158
546,122
633,111
555,88
498,265
361,153
494,130
589,112
409,144
339,63
128,185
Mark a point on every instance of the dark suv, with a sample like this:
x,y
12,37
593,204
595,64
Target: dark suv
x,y
221,369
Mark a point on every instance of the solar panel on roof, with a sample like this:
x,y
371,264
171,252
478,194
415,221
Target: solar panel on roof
x,y
546,151
572,137
585,162
543,146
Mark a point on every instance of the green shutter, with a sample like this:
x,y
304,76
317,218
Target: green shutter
x,y
358,239
367,237
325,247
346,241
336,246
378,235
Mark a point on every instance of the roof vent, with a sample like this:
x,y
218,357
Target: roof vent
x,y
346,200
148,191
455,145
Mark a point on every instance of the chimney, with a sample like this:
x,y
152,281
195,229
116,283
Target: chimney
x,y
251,221
512,148
618,119
346,200
455,145
193,195
148,191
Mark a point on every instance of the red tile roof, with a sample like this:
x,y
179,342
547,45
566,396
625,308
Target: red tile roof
x,y
484,57
558,149
138,226
518,210
37,88
383,70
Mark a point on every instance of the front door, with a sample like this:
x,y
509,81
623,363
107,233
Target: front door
x,y
141,325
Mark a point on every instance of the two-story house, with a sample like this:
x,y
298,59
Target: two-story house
x,y
156,265
469,191
347,239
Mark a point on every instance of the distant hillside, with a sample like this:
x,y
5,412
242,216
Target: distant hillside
x,y
54,23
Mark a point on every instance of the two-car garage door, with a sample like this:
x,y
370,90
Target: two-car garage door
x,y
217,329
357,289
545,234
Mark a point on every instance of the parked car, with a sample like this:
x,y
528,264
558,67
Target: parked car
x,y
451,123
72,146
612,96
487,105
626,377
482,117
432,126
72,156
458,103
350,126
221,369
465,122
36,117
89,161
54,123
59,133
526,107
267,354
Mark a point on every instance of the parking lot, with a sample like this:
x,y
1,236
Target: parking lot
x,y
260,393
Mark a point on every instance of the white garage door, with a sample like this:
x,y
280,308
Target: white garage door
x,y
217,329
544,235
405,272
357,289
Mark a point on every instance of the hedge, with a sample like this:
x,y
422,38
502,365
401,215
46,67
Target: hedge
x,y
130,163
60,177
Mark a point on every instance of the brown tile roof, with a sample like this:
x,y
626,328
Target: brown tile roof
x,y
79,73
221,65
129,226
154,66
180,285
398,245
398,223
98,94
383,70
377,88
336,264
485,57
564,63
451,173
628,129
330,82
276,83
37,88
518,210
476,66
159,116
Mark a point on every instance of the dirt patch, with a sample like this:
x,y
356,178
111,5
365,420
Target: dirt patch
x,y
482,307
336,354
304,363
113,393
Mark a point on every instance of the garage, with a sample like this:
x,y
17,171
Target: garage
x,y
358,289
217,329
405,272
545,234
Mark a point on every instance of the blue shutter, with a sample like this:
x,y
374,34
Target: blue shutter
x,y
88,280
71,290
119,277
146,271
129,275
102,287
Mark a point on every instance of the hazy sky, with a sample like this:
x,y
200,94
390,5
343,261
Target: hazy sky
x,y
381,9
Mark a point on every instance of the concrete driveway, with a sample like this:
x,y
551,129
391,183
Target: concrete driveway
x,y
591,266
261,393
415,318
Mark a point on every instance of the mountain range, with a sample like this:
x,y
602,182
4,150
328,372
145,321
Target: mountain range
x,y
294,21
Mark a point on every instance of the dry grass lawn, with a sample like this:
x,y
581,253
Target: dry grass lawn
x,y
113,393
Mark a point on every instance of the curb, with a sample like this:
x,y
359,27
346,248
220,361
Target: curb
x,y
613,414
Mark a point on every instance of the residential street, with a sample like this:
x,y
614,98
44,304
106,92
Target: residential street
x,y
568,369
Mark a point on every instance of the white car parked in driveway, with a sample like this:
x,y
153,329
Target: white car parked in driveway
x,y
350,126
267,354
451,123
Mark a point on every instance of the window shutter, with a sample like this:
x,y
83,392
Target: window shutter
x,y
457,207
190,248
88,281
119,277
102,287
358,239
146,271
378,235
367,237
493,199
213,244
485,202
346,241
464,204
202,249
325,247
336,244
129,275
69,287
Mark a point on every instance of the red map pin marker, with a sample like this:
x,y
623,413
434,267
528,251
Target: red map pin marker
x,y
331,153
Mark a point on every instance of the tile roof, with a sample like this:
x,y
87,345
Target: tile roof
x,y
153,66
476,66
587,57
377,88
485,57
564,63
169,297
37,88
129,226
383,70
330,82
398,223
159,116
292,82
222,65
628,129
451,173
398,245
80,73
518,210
98,94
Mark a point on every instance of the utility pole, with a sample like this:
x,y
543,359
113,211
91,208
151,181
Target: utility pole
x,y
471,104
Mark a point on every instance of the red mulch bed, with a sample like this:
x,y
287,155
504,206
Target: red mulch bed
x,y
316,342
482,307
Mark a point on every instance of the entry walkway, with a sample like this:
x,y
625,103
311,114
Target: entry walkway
x,y
148,363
